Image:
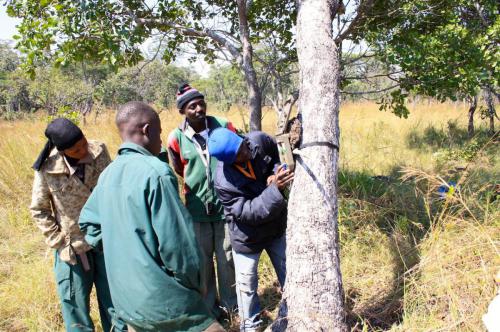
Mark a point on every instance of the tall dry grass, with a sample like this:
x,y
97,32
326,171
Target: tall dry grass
x,y
410,262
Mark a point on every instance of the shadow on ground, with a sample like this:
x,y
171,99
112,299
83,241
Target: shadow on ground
x,y
381,224
451,136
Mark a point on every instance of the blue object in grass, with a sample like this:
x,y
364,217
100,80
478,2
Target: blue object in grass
x,y
446,190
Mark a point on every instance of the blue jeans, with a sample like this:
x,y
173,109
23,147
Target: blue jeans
x,y
247,281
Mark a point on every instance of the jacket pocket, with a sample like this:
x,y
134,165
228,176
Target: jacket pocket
x,y
63,274
58,183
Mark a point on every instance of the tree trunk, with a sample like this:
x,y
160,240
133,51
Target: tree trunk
x,y
472,110
491,109
313,295
284,112
254,93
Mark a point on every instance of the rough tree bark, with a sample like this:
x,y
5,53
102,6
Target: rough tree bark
x,y
472,110
283,111
313,295
491,109
254,93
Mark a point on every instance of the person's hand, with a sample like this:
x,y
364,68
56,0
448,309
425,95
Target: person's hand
x,y
270,180
282,177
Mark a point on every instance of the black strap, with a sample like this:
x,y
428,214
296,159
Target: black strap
x,y
320,143
43,155
328,200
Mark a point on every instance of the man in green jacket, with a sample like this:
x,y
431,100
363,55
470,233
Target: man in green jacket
x,y
187,147
152,258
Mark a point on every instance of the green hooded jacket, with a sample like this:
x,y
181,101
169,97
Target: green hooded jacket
x,y
184,152
152,258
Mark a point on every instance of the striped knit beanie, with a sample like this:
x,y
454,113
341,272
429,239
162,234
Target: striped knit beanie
x,y
185,94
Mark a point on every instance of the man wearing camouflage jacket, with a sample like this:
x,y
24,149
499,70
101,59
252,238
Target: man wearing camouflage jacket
x,y
65,174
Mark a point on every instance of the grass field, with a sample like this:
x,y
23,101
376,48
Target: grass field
x,y
410,261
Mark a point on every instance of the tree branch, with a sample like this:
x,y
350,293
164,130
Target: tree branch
x,y
190,32
369,77
363,8
153,58
363,56
369,92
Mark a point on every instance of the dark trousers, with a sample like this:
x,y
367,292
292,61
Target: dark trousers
x,y
74,286
213,238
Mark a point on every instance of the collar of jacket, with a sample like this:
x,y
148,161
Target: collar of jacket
x,y
240,180
189,131
72,170
132,147
254,149
56,164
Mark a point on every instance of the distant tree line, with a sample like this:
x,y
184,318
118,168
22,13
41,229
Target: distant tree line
x,y
367,73
80,87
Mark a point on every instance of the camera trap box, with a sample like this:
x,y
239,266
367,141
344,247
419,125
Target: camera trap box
x,y
285,151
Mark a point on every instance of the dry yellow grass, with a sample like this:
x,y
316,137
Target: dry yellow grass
x,y
438,282
376,141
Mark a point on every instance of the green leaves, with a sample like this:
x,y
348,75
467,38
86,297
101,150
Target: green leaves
x,y
112,32
446,49
63,32
395,103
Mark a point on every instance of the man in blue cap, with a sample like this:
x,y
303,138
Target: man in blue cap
x,y
251,192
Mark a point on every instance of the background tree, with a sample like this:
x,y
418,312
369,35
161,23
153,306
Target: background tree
x,y
9,61
78,86
112,31
224,86
443,49
278,72
153,82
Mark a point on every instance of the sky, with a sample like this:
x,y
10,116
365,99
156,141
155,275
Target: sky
x,y
7,25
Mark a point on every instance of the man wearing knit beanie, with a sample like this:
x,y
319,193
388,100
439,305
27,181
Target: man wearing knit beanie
x,y
187,147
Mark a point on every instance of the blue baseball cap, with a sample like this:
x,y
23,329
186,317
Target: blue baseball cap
x,y
224,144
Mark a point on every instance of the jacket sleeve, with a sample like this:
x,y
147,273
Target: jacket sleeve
x,y
106,157
259,210
173,227
174,151
42,213
90,221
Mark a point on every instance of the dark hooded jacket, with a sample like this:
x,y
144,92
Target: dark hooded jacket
x,y
256,213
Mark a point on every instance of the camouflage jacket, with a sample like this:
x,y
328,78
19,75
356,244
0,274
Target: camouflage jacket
x,y
58,197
